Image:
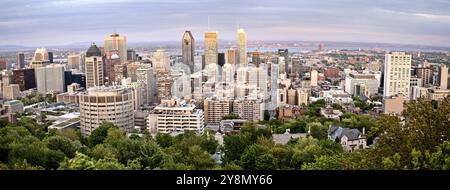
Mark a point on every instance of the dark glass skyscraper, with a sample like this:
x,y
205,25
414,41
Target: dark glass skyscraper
x,y
20,60
188,48
50,57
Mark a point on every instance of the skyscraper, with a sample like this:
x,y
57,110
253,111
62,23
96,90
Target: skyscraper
x,y
285,53
50,79
94,67
211,47
115,42
314,77
231,56
397,74
221,59
73,62
40,58
20,60
242,47
161,61
188,48
25,78
443,75
50,57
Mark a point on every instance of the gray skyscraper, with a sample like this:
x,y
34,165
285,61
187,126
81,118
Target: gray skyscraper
x,y
188,48
284,53
20,60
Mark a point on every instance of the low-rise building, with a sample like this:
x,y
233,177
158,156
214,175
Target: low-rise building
x,y
350,139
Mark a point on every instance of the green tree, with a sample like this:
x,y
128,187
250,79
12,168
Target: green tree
x,y
231,116
63,144
164,140
98,135
318,131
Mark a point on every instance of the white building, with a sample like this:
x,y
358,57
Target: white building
x,y
146,77
175,116
112,104
350,139
50,79
161,61
397,74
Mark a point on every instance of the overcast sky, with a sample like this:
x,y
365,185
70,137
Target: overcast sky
x,y
58,22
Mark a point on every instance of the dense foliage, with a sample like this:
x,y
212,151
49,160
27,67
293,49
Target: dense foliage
x,y
417,140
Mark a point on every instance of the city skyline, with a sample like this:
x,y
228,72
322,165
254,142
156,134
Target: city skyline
x,y
36,23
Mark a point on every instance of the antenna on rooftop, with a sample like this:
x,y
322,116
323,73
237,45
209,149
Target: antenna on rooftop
x,y
208,23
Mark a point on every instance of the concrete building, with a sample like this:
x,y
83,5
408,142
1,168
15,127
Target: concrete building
x,y
216,109
20,60
40,58
438,94
161,61
231,56
443,76
393,105
73,62
188,49
94,67
25,78
211,48
11,92
314,78
147,78
425,72
163,86
248,109
242,47
112,59
141,120
112,104
50,79
368,80
115,42
397,74
176,116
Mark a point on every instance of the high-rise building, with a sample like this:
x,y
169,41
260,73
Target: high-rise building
x,y
50,79
216,109
284,53
163,86
94,67
425,72
274,73
242,47
50,57
320,48
161,61
176,116
211,48
115,42
73,62
25,78
397,74
314,78
282,65
111,104
231,56
221,59
3,63
188,49
110,62
131,55
20,60
120,72
132,71
443,76
256,58
146,77
40,58
248,109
